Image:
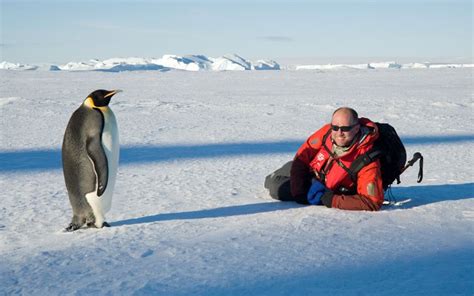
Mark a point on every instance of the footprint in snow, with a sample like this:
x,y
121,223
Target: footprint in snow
x,y
147,253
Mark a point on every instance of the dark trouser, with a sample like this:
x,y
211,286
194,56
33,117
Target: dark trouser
x,y
278,184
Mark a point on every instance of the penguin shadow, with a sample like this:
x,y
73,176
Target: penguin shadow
x,y
428,194
222,212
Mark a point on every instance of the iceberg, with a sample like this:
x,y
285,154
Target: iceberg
x,y
16,66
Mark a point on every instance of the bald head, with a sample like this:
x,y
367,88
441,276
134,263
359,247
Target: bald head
x,y
348,113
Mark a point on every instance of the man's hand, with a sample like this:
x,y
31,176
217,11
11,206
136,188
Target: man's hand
x,y
316,191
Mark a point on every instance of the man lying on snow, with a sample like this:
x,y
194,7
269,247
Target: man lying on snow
x,y
318,175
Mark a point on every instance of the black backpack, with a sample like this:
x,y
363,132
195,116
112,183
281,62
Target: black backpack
x,y
392,154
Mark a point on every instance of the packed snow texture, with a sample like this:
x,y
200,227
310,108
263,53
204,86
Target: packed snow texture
x,y
190,215
230,62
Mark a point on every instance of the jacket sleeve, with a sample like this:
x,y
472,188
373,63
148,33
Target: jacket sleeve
x,y
301,173
369,196
300,180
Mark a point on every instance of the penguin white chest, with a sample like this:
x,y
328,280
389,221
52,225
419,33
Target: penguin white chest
x,y
110,144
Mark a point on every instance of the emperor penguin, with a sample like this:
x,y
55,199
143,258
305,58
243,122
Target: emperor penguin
x,y
90,156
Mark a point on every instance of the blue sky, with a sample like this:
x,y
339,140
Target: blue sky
x,y
63,31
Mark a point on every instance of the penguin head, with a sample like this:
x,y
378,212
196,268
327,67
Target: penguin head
x,y
100,98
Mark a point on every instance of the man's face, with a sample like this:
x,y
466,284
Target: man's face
x,y
343,119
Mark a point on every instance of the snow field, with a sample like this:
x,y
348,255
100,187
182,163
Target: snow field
x,y
189,214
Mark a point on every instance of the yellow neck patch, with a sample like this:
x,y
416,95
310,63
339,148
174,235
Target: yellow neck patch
x,y
90,103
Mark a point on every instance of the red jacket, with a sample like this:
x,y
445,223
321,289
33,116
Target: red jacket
x,y
313,161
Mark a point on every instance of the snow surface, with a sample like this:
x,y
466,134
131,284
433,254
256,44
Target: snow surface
x,y
190,215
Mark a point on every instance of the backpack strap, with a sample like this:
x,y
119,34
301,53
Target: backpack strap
x,y
362,161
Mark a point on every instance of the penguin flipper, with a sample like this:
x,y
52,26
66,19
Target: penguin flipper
x,y
97,154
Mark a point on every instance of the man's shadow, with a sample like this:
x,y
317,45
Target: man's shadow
x,y
229,211
419,195
427,194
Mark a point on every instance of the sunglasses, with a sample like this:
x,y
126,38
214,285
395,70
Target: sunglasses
x,y
343,128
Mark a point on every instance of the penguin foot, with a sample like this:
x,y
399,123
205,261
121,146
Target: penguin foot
x,y
72,227
92,225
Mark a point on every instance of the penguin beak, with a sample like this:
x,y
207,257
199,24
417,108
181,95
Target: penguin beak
x,y
112,92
